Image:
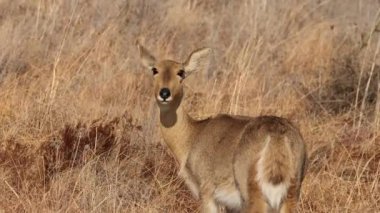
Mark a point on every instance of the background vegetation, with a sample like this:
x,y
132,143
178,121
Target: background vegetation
x,y
78,124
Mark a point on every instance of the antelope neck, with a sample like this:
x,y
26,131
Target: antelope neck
x,y
176,127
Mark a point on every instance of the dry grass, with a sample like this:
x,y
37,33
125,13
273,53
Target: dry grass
x,y
78,128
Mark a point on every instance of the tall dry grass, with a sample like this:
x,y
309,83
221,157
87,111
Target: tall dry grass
x,y
78,127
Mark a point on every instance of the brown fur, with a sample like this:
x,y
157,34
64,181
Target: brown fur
x,y
219,156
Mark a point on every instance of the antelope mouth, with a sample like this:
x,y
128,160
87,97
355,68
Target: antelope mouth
x,y
164,101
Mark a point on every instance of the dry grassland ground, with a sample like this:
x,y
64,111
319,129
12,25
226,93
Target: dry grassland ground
x,y
78,124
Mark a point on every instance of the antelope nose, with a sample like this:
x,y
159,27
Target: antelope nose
x,y
164,93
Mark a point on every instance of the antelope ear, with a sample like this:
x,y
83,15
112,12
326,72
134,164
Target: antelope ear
x,y
197,59
147,59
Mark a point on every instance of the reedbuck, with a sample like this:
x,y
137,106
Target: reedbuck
x,y
247,164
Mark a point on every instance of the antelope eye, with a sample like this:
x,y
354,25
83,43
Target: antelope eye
x,y
181,73
154,70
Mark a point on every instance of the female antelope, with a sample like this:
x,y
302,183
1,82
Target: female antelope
x,y
247,164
